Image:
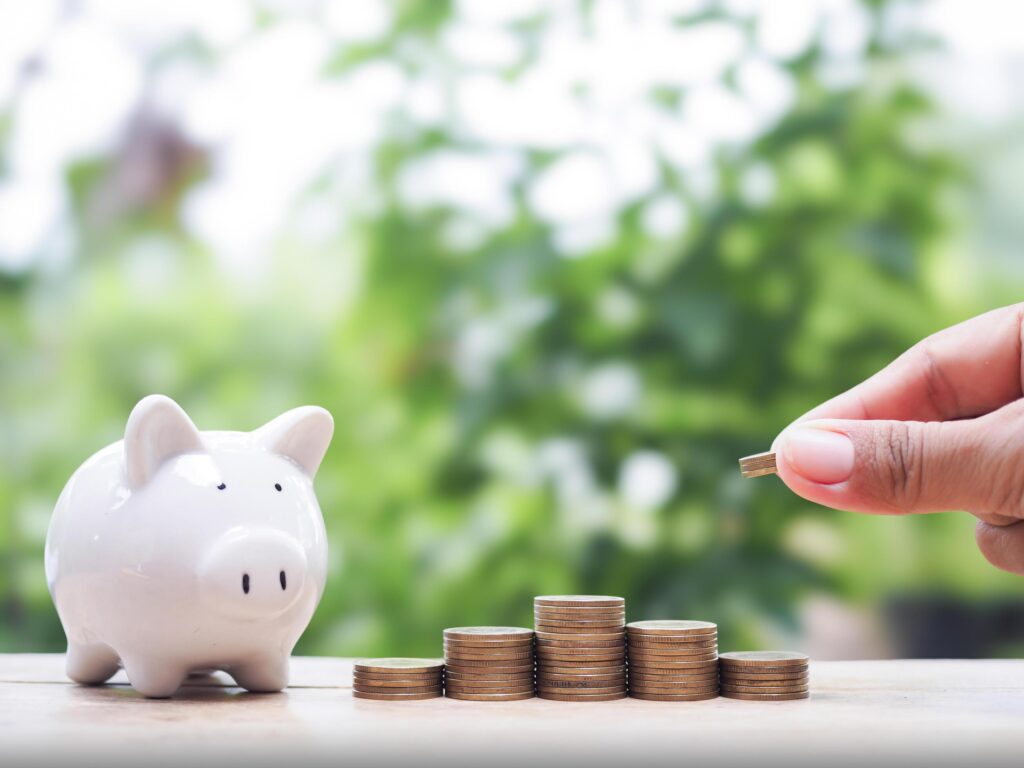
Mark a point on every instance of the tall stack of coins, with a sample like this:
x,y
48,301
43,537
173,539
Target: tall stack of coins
x,y
765,675
397,679
581,654
673,660
488,663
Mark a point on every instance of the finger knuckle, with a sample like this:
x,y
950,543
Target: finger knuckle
x,y
898,468
940,393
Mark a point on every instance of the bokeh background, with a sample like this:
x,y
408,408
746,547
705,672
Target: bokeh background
x,y
553,266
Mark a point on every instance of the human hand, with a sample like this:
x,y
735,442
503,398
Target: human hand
x,y
940,428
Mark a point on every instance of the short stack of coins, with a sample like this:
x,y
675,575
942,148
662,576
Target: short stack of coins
x,y
765,675
397,679
673,660
488,663
581,652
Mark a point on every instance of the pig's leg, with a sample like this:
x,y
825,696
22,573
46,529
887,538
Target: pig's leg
x,y
155,678
266,674
91,663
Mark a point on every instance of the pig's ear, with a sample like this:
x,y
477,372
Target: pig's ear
x,y
157,430
301,434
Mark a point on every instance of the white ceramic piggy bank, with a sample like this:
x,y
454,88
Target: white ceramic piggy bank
x,y
174,551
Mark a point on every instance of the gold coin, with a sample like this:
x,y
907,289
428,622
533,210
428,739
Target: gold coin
x,y
579,600
488,644
543,681
491,633
672,627
570,676
521,680
584,642
678,690
452,653
611,621
490,687
674,654
460,688
498,656
398,682
758,465
765,659
675,697
591,669
410,689
568,630
766,696
763,671
698,682
461,665
581,697
673,675
619,622
648,691
647,665
637,637
578,613
670,675
544,690
769,681
463,696
396,665
577,658
541,635
411,675
662,687
633,642
477,673
488,675
764,689
677,667
581,650
641,676
475,650
657,658
397,696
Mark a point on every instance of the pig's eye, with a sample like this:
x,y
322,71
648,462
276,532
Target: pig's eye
x,y
221,487
277,486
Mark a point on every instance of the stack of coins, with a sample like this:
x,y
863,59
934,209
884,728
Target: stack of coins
x,y
765,675
397,679
488,663
581,654
673,660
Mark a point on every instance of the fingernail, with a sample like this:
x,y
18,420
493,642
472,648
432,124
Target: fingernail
x,y
818,455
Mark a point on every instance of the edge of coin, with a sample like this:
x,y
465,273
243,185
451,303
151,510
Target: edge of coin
x,y
397,697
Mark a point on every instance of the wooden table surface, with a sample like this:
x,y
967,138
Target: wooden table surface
x,y
866,713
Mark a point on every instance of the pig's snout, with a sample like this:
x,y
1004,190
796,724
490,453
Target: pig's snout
x,y
253,574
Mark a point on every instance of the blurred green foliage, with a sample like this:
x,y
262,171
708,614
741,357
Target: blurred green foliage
x,y
438,508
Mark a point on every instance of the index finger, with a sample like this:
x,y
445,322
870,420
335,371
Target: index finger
x,y
966,370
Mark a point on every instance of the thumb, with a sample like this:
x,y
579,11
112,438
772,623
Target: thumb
x,y
896,467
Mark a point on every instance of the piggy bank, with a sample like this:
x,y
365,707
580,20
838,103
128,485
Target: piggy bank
x,y
175,551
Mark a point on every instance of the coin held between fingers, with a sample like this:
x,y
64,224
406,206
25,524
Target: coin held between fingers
x,y
758,465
